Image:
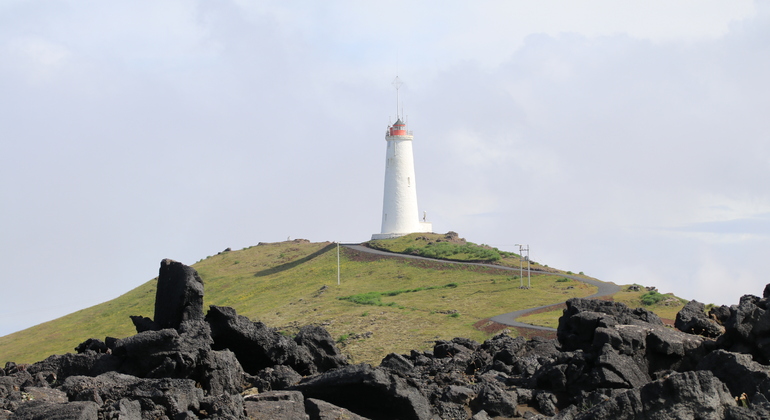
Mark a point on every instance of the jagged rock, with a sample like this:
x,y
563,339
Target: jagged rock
x,y
614,370
255,345
143,323
374,393
123,409
41,410
145,352
583,316
458,394
12,368
10,389
397,363
322,410
168,353
223,406
454,347
739,372
167,396
92,344
276,405
687,395
220,373
50,395
278,377
546,403
720,314
692,319
179,296
481,415
747,330
668,349
504,348
569,373
495,401
322,348
62,366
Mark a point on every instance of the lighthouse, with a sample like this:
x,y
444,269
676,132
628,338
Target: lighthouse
x,y
400,214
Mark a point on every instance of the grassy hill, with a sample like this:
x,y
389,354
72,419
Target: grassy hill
x,y
382,304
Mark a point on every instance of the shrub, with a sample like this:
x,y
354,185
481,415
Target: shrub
x,y
449,250
652,297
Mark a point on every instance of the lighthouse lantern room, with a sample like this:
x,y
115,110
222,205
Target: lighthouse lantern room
x,y
400,214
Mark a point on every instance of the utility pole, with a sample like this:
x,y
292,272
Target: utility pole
x,y
338,263
523,248
529,277
521,264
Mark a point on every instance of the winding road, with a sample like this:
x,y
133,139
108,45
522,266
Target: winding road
x,y
605,289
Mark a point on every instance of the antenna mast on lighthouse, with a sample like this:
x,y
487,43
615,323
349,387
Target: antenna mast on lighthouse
x,y
397,83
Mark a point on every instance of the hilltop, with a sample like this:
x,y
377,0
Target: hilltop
x,y
383,304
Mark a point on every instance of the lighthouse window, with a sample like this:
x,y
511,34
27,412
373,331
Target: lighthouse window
x,y
409,181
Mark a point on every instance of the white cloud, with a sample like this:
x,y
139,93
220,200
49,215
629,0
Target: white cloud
x,y
598,132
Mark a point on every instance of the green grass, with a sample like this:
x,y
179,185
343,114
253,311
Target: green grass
x,y
435,245
290,284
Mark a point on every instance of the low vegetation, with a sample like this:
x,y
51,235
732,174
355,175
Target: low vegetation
x,y
290,284
375,298
453,248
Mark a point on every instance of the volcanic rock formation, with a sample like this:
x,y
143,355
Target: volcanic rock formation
x,y
608,362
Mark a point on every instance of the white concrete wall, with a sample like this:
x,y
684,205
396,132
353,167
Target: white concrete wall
x,y
400,214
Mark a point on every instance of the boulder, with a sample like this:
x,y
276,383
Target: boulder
x,y
255,345
124,409
583,316
747,330
92,344
322,348
276,405
615,370
168,397
739,372
179,296
373,393
397,363
41,410
62,366
692,319
220,373
686,395
504,348
222,406
278,377
49,395
494,400
322,410
147,351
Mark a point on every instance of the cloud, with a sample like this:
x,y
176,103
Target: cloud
x,y
610,136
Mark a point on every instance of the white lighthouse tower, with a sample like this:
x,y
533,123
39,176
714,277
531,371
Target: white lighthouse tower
x,y
400,214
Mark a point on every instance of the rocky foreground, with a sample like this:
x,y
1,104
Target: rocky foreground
x,y
608,362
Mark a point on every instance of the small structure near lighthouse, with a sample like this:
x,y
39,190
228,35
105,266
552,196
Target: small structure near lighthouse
x,y
400,214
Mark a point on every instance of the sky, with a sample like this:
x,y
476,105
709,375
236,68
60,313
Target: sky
x,y
624,139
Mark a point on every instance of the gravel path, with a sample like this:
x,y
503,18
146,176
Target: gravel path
x,y
605,289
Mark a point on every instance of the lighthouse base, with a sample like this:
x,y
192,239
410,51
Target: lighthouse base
x,y
425,227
